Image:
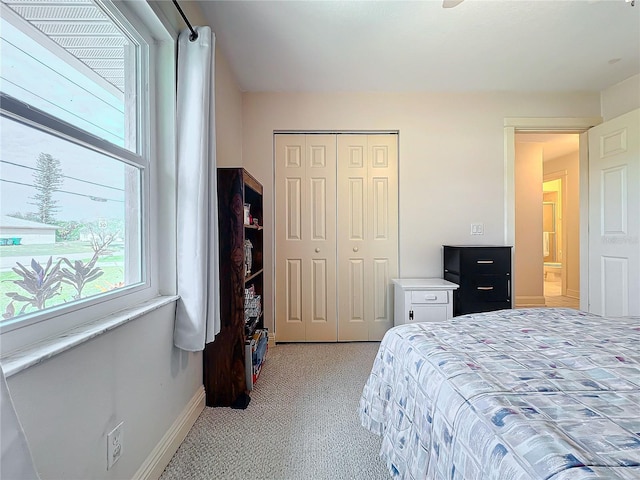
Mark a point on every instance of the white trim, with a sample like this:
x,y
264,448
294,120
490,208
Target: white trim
x,y
540,125
19,360
566,124
161,455
336,132
161,27
509,188
26,114
573,294
530,301
584,221
163,173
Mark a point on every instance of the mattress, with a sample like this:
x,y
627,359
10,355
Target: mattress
x,y
513,394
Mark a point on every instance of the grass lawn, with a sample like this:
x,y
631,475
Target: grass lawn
x,y
112,276
56,249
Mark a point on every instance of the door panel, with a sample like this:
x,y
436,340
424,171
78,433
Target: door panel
x,y
381,299
320,248
614,186
294,209
305,206
614,216
356,209
318,209
383,234
356,291
293,292
380,207
367,234
289,231
319,288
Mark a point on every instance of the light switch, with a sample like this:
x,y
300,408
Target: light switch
x,y
477,229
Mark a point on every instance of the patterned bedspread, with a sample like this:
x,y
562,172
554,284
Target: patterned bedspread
x,y
514,394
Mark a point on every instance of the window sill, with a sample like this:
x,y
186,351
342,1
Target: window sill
x,y
34,354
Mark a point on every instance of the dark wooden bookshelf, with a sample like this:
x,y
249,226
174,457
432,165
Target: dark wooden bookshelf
x,y
224,358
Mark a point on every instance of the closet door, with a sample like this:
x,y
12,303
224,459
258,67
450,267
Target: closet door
x,y
367,234
305,204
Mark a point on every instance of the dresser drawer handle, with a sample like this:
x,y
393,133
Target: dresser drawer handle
x,y
430,297
485,261
485,288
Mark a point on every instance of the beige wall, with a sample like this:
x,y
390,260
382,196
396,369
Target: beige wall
x,y
132,374
528,256
621,98
228,97
451,167
570,164
228,117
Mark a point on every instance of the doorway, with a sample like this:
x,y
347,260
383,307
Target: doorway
x,y
609,173
560,232
547,216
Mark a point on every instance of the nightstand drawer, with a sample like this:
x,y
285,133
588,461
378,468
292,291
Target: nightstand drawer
x,y
427,296
487,260
488,288
422,300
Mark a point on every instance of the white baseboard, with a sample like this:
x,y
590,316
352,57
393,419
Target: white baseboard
x,y
272,340
161,455
530,301
573,294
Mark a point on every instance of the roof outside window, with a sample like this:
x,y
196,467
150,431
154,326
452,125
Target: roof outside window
x,y
82,29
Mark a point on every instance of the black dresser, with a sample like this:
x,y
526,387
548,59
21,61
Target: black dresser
x,y
484,276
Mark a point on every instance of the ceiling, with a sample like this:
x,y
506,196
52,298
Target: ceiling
x,y
402,46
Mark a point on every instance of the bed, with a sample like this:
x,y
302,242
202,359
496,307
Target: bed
x,y
513,394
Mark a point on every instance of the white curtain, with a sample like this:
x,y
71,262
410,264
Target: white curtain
x,y
198,310
15,456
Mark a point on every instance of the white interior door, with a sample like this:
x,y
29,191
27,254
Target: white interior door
x,y
367,234
305,169
614,216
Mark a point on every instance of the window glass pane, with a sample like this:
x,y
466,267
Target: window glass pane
x,y
72,61
64,203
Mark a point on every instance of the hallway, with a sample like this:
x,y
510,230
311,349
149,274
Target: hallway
x,y
553,294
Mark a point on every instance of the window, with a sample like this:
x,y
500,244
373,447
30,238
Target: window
x,y
74,158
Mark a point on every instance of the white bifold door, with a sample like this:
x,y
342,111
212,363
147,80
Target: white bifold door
x,y
614,216
336,222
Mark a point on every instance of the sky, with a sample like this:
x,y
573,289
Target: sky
x,y
94,184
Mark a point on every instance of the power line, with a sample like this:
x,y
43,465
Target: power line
x,y
91,197
27,54
64,110
65,176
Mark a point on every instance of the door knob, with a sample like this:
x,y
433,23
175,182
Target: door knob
x,y
317,250
355,249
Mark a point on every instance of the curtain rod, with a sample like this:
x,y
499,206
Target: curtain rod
x,y
194,35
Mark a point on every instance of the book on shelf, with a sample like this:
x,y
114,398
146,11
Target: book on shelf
x,y
256,347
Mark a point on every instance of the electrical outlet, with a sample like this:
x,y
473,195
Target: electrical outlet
x,y
114,445
477,229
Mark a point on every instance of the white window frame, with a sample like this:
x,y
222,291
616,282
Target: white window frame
x,y
156,137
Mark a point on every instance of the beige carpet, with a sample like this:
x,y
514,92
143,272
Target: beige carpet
x,y
302,422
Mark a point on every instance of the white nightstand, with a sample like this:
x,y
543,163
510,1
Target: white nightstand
x,y
422,300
